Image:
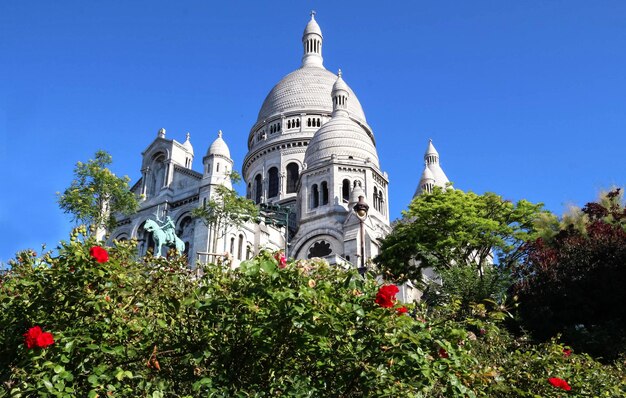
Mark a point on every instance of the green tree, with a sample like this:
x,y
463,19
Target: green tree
x,y
225,209
448,228
96,194
573,283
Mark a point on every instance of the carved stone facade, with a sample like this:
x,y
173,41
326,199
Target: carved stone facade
x,y
310,150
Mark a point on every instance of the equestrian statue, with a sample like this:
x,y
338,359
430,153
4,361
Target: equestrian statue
x,y
164,235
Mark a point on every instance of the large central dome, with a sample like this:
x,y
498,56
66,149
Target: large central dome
x,y
306,89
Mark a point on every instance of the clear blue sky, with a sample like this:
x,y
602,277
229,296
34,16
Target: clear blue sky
x,y
525,99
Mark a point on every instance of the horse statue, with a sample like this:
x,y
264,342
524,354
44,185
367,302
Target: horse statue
x,y
164,235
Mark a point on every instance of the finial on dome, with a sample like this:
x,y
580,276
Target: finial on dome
x,y
339,73
313,14
219,133
188,136
161,133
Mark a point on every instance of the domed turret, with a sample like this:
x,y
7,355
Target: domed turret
x,y
433,175
340,96
219,147
187,145
341,136
312,43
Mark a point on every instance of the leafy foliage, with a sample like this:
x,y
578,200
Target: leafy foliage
x,y
226,209
573,283
451,227
96,194
152,328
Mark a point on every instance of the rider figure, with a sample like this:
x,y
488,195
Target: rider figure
x,y
169,229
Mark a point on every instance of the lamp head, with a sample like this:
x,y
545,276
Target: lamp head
x,y
361,208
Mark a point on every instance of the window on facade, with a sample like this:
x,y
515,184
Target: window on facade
x,y
232,245
258,188
292,177
320,249
375,198
324,193
248,252
345,190
272,189
315,196
240,247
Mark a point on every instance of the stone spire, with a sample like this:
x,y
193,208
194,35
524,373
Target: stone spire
x,y
433,175
312,43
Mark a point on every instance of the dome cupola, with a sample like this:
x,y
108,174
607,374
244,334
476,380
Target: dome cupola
x,y
341,137
312,43
187,145
219,147
340,96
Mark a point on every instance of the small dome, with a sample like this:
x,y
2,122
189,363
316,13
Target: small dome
x,y
431,149
344,138
187,145
312,27
219,147
427,175
340,84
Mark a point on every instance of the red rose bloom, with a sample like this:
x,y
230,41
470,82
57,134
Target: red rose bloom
x,y
30,337
443,353
567,352
282,261
34,337
99,254
386,295
401,310
560,383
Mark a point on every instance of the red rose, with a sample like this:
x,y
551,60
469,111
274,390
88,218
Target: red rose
x,y
443,353
560,383
99,254
34,337
45,339
567,352
386,295
282,261
401,310
30,337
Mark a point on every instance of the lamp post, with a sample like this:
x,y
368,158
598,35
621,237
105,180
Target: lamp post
x,y
360,209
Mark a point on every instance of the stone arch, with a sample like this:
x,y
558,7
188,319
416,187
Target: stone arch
x,y
335,236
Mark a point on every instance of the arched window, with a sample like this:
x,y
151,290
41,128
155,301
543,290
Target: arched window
x,y
240,247
272,189
375,199
324,193
308,122
297,122
381,202
258,188
232,245
345,190
315,196
288,124
248,192
292,177
248,252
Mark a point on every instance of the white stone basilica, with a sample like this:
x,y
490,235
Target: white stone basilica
x,y
310,151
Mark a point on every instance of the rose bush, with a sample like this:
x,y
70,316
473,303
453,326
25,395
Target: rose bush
x,y
149,327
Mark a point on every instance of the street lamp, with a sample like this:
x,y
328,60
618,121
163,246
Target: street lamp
x,y
360,209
